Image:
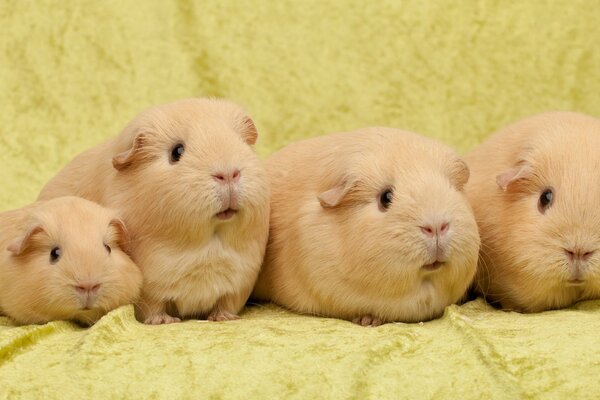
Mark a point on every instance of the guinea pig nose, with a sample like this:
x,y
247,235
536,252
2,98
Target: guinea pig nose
x,y
437,229
578,254
84,288
227,177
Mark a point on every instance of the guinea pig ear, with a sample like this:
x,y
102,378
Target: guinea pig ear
x,y
123,160
334,196
123,239
459,173
247,130
509,178
19,246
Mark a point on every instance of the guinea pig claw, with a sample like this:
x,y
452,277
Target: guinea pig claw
x,y
219,315
367,320
161,319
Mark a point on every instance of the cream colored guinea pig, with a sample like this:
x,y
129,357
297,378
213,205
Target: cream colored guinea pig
x,y
370,226
535,190
64,259
195,198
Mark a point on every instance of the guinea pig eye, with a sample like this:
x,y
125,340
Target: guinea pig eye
x,y
385,199
55,254
546,200
176,152
108,249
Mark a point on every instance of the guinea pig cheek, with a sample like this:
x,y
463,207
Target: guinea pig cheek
x,y
122,283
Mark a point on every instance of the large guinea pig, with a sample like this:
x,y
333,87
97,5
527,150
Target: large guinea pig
x,y
64,259
195,198
370,226
535,191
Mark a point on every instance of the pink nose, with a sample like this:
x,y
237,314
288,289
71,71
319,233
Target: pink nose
x,y
578,254
91,288
227,177
432,230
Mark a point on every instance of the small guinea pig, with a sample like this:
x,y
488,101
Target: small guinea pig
x,y
195,198
535,190
64,259
370,226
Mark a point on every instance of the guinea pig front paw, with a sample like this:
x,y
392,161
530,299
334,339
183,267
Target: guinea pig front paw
x,y
367,320
161,319
219,315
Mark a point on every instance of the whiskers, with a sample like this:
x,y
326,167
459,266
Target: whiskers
x,y
483,271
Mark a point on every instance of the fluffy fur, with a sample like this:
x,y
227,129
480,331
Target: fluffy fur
x,y
333,251
524,263
34,291
194,263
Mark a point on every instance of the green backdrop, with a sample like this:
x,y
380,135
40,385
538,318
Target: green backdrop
x,y
73,73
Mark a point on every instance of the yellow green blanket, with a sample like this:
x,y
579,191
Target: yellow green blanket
x,y
74,73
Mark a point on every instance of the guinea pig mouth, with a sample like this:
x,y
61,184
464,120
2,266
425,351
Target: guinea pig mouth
x,y
433,267
226,214
88,307
576,282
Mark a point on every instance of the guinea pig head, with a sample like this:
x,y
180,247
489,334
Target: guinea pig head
x,y
71,262
548,232
406,226
190,164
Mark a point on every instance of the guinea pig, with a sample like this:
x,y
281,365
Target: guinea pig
x,y
535,190
195,198
370,226
64,259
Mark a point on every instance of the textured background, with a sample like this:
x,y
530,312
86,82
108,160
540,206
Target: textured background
x,y
73,73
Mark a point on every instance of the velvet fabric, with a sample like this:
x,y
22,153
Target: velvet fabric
x,y
72,74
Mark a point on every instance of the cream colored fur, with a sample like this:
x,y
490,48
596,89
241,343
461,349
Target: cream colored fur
x,y
523,264
194,264
34,291
351,260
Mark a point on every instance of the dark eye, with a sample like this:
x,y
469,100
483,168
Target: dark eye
x,y
385,199
546,200
176,152
55,254
108,249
